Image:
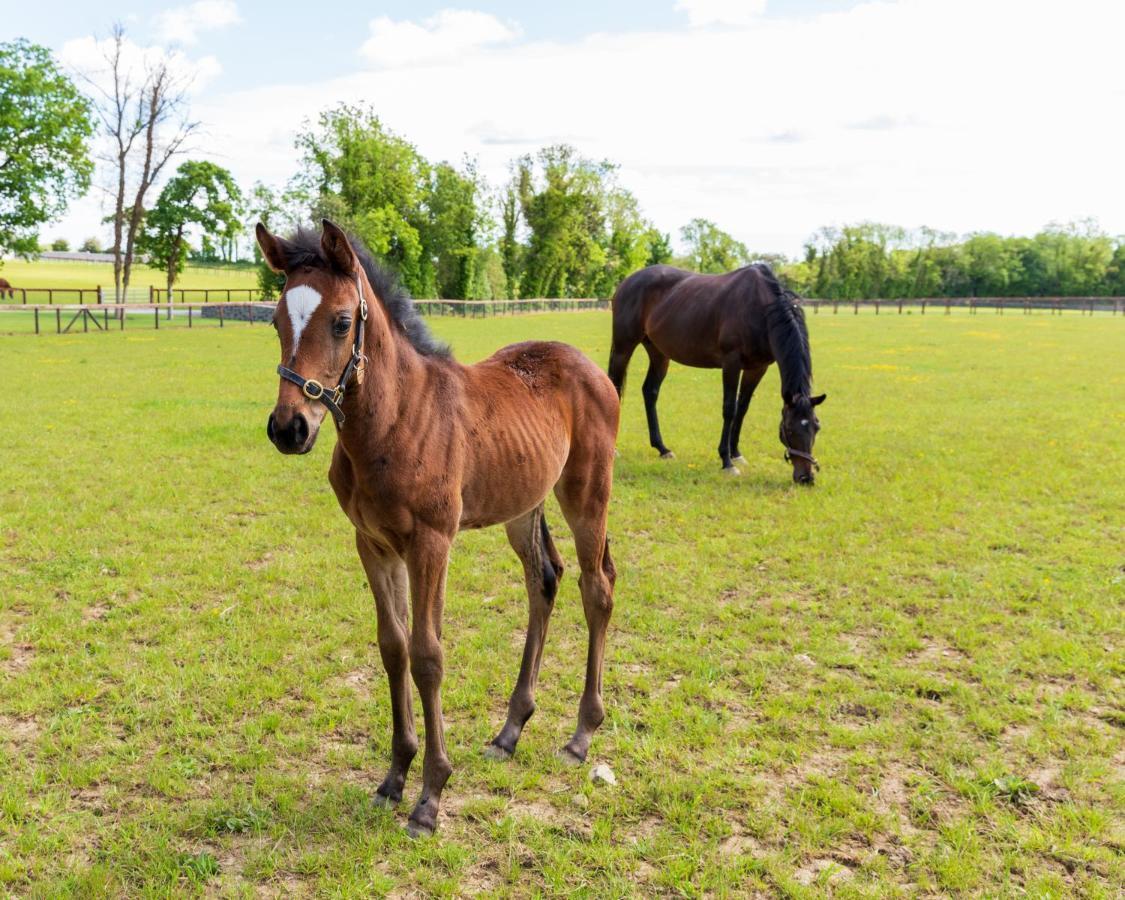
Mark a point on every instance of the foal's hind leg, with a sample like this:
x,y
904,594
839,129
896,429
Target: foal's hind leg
x,y
657,370
583,494
542,567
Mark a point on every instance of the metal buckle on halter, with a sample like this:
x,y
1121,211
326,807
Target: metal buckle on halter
x,y
312,389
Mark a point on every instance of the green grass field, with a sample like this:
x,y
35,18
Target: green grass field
x,y
904,681
45,273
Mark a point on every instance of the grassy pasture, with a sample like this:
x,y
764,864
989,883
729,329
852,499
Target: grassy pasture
x,y
47,273
906,680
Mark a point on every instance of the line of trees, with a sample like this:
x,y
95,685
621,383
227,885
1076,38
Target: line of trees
x,y
883,261
561,225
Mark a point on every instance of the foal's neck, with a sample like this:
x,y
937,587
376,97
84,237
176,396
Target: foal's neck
x,y
390,381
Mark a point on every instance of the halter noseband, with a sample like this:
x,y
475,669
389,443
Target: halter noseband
x,y
314,390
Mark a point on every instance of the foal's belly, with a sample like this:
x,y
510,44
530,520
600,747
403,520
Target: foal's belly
x,y
511,479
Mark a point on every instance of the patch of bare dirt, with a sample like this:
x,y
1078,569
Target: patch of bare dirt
x,y
839,869
20,653
256,565
95,613
21,732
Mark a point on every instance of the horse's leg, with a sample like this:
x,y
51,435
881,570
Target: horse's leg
x,y
386,574
620,352
657,370
750,380
583,493
427,558
542,567
731,372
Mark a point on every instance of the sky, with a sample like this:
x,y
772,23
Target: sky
x,y
771,117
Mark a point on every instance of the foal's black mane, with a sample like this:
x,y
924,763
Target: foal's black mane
x,y
788,336
303,249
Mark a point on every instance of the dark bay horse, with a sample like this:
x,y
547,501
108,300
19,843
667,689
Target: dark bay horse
x,y
739,322
427,447
6,288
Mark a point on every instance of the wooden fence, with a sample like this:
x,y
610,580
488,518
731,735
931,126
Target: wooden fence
x,y
109,316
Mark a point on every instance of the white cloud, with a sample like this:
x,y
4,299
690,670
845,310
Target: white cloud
x,y
444,37
87,56
721,12
937,112
182,24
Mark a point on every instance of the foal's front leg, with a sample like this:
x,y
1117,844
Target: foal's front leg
x,y
386,574
427,558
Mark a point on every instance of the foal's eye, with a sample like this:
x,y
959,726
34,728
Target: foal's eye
x,y
342,327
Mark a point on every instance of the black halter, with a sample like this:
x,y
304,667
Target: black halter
x,y
790,452
314,390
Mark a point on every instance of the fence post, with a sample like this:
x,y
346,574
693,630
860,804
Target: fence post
x,y
220,317
189,316
37,320
121,317
58,320
156,316
923,307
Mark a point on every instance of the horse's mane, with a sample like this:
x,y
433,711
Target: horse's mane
x,y
303,249
788,336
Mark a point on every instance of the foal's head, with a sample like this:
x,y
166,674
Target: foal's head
x,y
797,433
319,320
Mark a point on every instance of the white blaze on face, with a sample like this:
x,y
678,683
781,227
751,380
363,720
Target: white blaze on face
x,y
301,302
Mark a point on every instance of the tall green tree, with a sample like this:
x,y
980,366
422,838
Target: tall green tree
x,y
45,128
710,249
200,195
585,230
424,220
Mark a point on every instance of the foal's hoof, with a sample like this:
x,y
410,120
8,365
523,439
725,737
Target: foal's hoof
x,y
667,454
495,751
731,471
384,802
740,460
418,830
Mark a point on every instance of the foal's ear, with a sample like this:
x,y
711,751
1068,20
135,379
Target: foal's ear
x,y
337,248
271,248
819,399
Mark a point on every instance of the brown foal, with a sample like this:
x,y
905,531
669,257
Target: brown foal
x,y
427,446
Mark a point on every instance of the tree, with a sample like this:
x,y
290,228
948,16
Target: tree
x,y
585,230
146,125
710,249
511,250
200,194
60,245
45,125
91,245
424,220
659,247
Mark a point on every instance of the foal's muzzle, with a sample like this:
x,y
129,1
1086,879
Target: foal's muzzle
x,y
292,436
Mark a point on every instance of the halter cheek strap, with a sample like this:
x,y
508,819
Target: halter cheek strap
x,y
314,390
790,452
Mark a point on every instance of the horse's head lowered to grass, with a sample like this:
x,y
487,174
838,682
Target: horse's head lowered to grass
x,y
797,433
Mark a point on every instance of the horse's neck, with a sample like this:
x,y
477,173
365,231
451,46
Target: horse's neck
x,y
795,367
390,374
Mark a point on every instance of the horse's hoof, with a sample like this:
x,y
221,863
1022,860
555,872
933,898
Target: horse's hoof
x,y
495,751
731,471
384,802
740,459
418,830
667,454
569,757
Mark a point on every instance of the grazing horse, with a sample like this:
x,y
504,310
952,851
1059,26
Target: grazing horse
x,y
739,322
6,288
426,447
